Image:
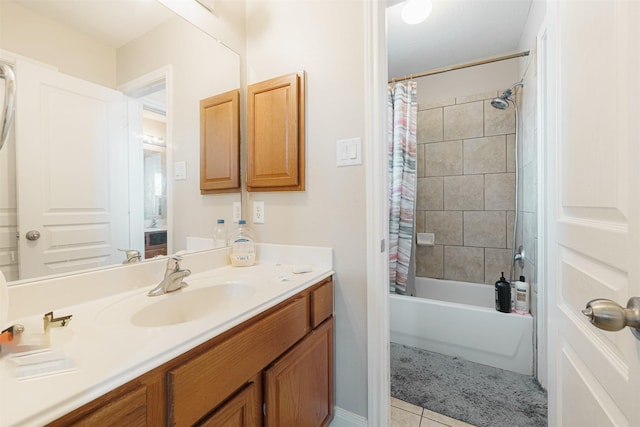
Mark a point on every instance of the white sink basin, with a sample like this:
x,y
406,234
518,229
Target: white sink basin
x,y
185,305
188,305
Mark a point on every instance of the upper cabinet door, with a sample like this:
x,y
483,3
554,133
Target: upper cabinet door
x,y
275,134
220,143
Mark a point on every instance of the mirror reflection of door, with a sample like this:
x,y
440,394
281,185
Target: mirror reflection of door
x,y
71,172
154,127
148,160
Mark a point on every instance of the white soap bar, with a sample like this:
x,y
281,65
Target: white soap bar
x,y
40,363
304,268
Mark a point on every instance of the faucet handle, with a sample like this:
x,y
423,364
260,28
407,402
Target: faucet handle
x,y
173,263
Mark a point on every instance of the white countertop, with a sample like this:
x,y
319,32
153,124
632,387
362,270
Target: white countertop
x,y
107,350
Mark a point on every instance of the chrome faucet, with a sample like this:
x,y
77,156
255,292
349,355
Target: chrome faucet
x,y
132,255
173,276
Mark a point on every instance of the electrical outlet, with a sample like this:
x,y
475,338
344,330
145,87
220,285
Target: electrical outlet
x,y
258,212
236,216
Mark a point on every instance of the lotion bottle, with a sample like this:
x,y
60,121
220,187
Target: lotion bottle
x,y
522,296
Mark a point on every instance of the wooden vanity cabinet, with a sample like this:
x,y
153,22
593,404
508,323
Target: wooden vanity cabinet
x,y
275,369
276,134
155,243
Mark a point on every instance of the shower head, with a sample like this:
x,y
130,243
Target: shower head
x,y
502,102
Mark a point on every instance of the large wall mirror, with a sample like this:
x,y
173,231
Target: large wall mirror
x,y
104,152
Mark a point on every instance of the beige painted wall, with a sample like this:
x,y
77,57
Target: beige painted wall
x,y
34,36
288,36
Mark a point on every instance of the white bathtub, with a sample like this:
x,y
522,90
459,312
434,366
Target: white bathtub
x,y
460,319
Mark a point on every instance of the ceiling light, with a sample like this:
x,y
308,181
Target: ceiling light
x,y
416,11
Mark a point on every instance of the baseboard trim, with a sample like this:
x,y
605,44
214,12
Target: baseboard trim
x,y
344,418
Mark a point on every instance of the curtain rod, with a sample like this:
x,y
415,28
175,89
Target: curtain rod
x,y
459,67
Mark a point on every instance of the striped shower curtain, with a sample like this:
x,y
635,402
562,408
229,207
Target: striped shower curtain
x,y
402,109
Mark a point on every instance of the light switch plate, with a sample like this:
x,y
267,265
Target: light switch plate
x,y
180,171
236,215
349,152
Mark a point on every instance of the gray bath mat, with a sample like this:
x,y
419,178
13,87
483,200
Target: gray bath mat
x,y
470,392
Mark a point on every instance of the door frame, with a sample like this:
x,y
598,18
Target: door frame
x,y
137,210
375,131
376,77
548,131
545,179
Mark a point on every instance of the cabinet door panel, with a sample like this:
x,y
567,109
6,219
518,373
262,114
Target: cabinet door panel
x,y
299,386
275,134
220,143
244,410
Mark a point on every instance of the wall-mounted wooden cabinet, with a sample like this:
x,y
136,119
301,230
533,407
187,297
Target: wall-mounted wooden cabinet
x,y
275,134
220,143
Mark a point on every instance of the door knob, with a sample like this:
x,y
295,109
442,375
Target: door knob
x,y
33,235
609,316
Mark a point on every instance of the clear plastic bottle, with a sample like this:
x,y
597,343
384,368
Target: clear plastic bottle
x,y
242,248
522,296
220,237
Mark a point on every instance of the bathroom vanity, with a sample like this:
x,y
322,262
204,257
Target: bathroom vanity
x,y
279,363
262,355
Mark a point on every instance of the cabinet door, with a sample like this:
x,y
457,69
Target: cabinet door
x,y
299,386
243,410
220,143
204,382
275,134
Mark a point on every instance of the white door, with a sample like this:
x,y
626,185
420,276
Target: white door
x,y
594,220
72,172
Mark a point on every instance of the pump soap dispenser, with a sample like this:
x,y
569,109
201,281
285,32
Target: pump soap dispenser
x,y
503,295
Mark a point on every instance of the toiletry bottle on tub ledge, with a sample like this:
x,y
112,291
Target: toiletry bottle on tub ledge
x,y
503,295
522,296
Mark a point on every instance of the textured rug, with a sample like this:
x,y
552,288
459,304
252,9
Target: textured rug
x,y
477,394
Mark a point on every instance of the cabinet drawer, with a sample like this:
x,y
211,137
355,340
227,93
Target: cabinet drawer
x,y
321,303
201,384
128,409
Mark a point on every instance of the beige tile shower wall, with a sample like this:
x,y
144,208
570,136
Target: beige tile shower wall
x,y
466,188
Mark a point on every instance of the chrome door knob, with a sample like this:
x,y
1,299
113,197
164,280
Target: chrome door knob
x,y
609,316
33,235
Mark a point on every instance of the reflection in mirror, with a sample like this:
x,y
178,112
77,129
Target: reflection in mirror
x,y
71,170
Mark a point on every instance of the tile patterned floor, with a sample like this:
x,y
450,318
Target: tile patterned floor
x,y
405,414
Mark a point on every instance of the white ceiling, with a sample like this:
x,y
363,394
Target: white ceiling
x,y
111,22
456,32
